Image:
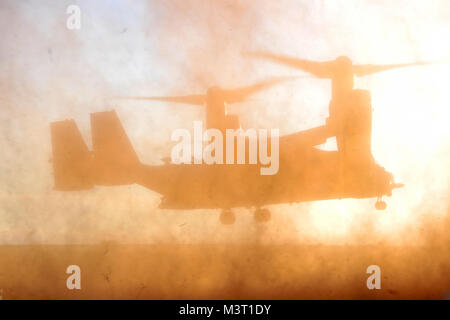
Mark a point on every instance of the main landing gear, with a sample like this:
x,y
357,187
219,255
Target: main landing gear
x,y
227,217
261,215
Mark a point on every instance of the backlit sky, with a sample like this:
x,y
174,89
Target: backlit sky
x,y
50,73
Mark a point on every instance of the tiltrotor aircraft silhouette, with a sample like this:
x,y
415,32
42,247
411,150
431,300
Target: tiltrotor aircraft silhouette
x,y
306,173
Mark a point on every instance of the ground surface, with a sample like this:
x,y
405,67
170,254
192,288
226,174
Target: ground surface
x,y
224,272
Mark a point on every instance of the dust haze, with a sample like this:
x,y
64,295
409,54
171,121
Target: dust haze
x,y
49,73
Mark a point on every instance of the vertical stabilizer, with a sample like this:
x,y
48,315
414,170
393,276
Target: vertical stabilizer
x,y
71,158
116,161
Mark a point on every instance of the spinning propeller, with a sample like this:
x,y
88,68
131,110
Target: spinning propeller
x,y
341,70
217,94
328,69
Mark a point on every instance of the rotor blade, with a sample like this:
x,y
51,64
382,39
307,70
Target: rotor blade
x,y
318,69
240,94
194,99
367,69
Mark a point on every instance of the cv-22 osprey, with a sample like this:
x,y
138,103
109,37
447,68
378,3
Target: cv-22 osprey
x,y
305,173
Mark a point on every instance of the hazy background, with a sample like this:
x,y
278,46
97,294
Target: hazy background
x,y
49,73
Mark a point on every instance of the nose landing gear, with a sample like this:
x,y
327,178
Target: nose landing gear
x,y
380,204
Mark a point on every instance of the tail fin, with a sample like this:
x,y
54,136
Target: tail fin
x,y
71,157
116,161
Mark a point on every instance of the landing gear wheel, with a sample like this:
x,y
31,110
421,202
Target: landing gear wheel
x,y
261,215
380,205
227,217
